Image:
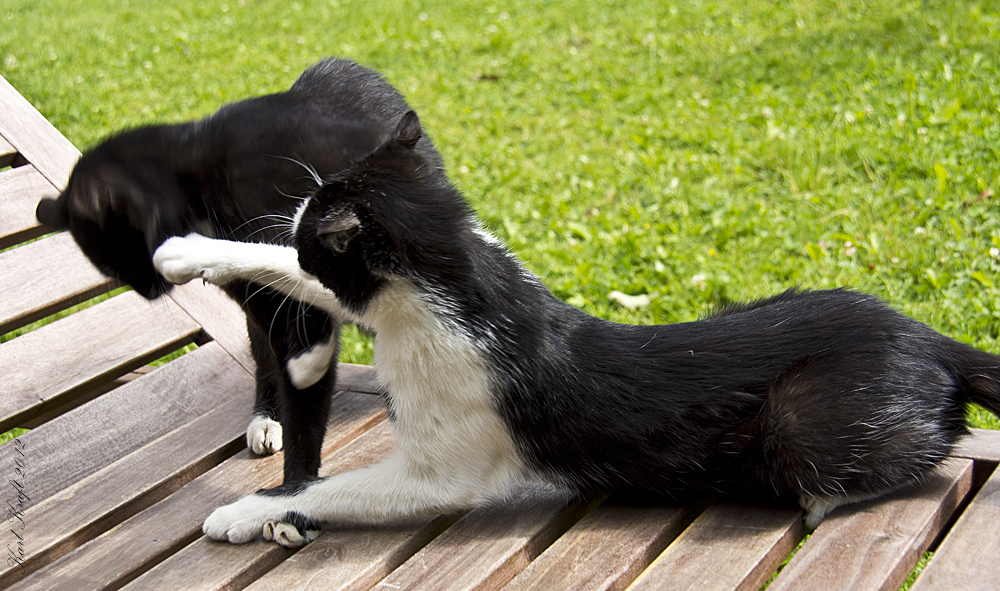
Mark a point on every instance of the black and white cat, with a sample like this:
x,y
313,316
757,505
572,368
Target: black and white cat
x,y
239,174
828,397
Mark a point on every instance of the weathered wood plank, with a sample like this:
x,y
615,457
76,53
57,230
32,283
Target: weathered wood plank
x,y
31,134
207,564
727,547
489,546
44,277
357,378
21,188
875,545
7,153
607,549
107,497
132,547
352,558
85,440
220,317
969,557
46,367
983,444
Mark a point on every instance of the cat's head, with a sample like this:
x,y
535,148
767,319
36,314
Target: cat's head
x,y
392,213
118,214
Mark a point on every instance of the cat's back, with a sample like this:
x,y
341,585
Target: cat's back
x,y
351,90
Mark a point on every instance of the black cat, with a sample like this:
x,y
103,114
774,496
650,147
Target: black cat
x,y
239,174
828,397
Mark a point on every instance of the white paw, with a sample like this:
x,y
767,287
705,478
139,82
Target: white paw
x,y
181,259
816,510
243,520
287,535
264,436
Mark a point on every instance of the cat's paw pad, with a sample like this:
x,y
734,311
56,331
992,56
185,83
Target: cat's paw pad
x,y
241,521
264,436
816,510
181,259
292,531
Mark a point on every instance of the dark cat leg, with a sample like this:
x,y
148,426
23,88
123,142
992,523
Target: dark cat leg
x,y
836,430
295,347
307,351
264,434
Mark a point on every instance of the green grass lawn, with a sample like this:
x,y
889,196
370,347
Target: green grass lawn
x,y
695,152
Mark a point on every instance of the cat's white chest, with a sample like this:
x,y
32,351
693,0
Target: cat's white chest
x,y
439,385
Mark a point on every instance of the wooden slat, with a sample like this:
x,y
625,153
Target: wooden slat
x,y
88,438
489,546
357,378
44,277
727,547
129,549
969,558
20,190
46,367
352,558
983,444
35,138
7,153
107,497
207,564
219,315
875,545
607,549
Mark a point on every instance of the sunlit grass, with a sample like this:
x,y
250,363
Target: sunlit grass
x,y
693,152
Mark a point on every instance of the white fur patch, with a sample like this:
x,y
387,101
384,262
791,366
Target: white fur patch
x,y
264,436
306,368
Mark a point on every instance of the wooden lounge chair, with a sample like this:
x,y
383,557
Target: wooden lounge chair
x,y
125,460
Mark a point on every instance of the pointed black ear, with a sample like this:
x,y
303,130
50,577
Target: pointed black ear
x,y
408,131
52,212
337,230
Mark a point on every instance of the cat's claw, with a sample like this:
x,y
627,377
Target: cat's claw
x,y
288,535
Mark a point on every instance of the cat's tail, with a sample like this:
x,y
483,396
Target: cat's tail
x,y
978,373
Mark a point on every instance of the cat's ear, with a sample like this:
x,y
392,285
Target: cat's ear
x,y
408,132
52,212
336,231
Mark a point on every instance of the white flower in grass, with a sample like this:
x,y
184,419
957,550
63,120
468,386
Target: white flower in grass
x,y
700,281
629,301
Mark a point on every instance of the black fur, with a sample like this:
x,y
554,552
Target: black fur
x,y
828,395
239,174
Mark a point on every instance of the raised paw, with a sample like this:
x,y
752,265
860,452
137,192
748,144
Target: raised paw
x,y
181,259
264,436
292,531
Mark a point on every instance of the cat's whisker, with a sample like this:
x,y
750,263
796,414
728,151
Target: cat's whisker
x,y
313,174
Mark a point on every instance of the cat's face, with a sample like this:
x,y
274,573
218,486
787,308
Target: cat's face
x,y
117,220
393,213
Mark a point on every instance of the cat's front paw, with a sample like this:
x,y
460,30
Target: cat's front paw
x,y
181,259
243,520
264,436
292,531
